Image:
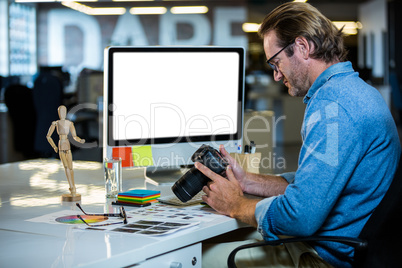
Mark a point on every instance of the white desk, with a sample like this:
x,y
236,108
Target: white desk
x,y
33,188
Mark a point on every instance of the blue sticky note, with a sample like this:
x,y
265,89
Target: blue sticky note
x,y
140,192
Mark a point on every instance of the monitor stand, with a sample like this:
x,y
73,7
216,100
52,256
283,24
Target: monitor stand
x,y
163,176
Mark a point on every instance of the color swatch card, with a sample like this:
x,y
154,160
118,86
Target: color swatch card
x,y
73,219
66,217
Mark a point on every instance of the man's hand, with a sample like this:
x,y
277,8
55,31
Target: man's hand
x,y
221,194
237,170
255,184
226,196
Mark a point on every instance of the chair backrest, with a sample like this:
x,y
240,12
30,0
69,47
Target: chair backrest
x,y
395,90
47,96
383,230
19,101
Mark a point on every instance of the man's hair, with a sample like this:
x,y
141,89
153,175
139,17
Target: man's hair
x,y
293,19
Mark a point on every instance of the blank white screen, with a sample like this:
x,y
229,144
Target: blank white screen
x,y
174,94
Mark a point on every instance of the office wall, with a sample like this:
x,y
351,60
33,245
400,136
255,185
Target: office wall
x,y
75,40
372,52
3,38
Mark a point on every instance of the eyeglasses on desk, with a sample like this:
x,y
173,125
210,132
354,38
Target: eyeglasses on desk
x,y
122,214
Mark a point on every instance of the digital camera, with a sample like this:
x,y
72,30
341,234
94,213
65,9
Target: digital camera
x,y
194,180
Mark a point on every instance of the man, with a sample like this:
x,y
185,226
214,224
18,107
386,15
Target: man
x,y
349,154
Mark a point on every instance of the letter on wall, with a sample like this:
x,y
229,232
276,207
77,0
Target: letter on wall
x,y
58,19
223,19
168,29
129,31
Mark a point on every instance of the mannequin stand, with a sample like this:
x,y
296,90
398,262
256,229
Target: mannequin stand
x,y
70,198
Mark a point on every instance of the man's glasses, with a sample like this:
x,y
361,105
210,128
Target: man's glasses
x,y
122,214
273,65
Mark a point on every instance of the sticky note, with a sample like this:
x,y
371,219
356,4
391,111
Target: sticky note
x,y
125,154
109,165
142,156
138,196
140,193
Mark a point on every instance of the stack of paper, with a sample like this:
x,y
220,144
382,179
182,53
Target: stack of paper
x,y
138,196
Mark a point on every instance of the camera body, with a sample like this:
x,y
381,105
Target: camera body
x,y
193,180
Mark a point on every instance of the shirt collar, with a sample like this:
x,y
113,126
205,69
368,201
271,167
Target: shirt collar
x,y
341,67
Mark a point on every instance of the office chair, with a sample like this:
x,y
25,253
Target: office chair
x,y
19,101
47,97
380,241
396,95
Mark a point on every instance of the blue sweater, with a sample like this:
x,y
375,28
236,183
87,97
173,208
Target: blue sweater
x,y
347,161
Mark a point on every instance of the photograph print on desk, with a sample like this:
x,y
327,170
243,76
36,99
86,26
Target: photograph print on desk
x,y
167,212
156,220
143,227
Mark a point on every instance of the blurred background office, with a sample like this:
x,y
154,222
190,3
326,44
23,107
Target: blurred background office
x,y
51,53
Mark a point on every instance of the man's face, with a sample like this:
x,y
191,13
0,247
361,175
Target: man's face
x,y
291,70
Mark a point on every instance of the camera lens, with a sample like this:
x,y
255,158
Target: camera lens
x,y
192,181
189,184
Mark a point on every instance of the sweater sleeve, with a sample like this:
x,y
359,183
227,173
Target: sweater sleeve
x,y
288,176
261,212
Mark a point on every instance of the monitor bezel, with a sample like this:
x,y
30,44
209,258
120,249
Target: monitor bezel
x,y
168,140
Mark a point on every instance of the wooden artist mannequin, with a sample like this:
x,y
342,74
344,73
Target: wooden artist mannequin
x,y
63,127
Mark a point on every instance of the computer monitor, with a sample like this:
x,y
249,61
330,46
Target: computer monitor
x,y
162,103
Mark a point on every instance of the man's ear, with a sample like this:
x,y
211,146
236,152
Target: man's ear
x,y
303,46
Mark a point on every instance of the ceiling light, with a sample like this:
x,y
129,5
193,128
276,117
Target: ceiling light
x,y
148,10
132,0
33,1
250,27
108,11
189,10
94,11
76,6
349,27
